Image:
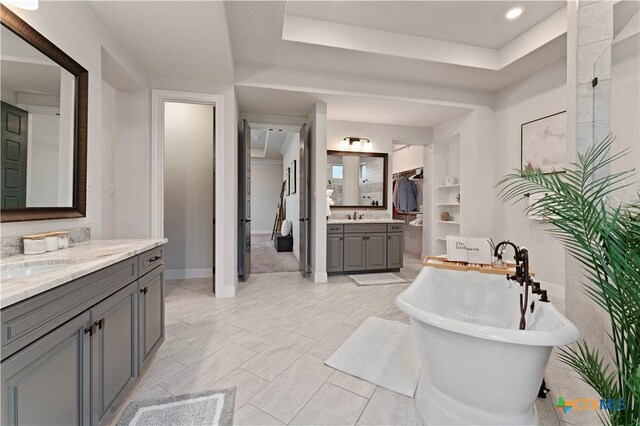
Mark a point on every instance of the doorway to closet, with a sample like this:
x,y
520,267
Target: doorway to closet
x,y
189,193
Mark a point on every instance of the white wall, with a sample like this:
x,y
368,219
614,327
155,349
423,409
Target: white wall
x,y
108,160
539,95
475,132
61,23
407,157
132,165
188,185
291,151
266,182
317,122
625,105
382,137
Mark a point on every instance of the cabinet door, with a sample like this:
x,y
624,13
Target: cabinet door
x,y
113,349
395,250
47,383
354,252
151,314
376,251
335,253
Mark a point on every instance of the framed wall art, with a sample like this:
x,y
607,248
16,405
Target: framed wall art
x,y
544,144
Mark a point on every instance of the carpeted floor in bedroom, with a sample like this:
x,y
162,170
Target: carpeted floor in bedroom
x,y
265,258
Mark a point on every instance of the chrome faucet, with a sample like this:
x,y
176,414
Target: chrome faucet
x,y
355,215
523,278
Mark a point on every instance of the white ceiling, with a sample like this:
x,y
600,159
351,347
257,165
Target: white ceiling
x,y
477,23
256,30
268,143
234,41
346,108
178,39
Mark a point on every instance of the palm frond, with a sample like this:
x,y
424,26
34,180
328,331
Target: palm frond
x,y
605,240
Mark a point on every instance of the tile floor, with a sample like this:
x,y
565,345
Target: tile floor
x,y
270,342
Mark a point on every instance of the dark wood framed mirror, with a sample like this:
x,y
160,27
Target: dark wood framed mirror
x,y
44,126
358,179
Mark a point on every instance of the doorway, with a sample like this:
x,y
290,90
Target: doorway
x,y
271,184
189,192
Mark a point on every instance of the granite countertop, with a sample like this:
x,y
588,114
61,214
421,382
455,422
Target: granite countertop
x,y
79,260
351,221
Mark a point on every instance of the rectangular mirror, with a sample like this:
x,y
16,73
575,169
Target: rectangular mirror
x,y
43,126
358,179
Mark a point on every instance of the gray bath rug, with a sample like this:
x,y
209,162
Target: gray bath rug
x,y
376,279
204,408
382,352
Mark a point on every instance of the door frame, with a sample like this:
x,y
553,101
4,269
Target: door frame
x,y
158,98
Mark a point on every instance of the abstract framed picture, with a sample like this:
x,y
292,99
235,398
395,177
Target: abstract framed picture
x,y
543,143
293,177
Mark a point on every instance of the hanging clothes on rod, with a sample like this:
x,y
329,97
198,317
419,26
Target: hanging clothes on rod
x,y
405,195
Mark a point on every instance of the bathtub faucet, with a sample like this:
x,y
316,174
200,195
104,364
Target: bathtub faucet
x,y
523,278
522,269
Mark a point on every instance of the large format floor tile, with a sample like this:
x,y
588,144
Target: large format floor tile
x,y
290,391
331,405
270,343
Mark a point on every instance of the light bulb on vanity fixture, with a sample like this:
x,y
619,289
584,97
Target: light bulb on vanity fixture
x,y
356,144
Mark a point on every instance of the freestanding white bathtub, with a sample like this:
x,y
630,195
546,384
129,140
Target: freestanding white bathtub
x,y
477,366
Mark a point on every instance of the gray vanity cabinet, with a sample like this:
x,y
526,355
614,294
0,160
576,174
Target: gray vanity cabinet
x,y
335,253
113,349
48,382
376,251
107,326
364,247
395,246
151,314
355,249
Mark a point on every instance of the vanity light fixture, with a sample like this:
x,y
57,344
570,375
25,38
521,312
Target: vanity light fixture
x,y
356,144
514,12
23,4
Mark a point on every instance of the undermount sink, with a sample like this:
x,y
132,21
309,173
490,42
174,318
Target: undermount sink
x,y
27,269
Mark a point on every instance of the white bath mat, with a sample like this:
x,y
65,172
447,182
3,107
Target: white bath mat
x,y
382,352
376,279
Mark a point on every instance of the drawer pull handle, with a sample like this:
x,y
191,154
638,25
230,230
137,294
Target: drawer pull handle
x,y
154,258
144,290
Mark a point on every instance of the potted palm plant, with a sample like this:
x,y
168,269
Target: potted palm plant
x,y
604,237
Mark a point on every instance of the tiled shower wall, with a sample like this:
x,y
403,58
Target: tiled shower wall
x,y
595,34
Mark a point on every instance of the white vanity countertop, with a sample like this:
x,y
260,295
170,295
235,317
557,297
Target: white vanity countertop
x,y
352,222
79,260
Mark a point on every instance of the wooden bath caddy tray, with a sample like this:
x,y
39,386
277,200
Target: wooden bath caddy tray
x,y
441,262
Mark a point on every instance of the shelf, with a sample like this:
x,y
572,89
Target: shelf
x,y
449,222
456,185
447,204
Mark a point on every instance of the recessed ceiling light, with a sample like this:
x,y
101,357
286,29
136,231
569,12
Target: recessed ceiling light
x,y
513,13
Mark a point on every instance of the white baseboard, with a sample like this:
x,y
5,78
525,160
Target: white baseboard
x,y
320,277
181,274
226,291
